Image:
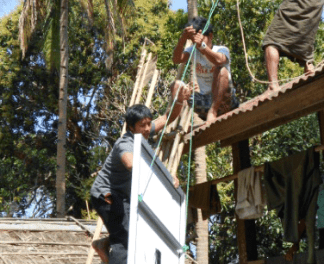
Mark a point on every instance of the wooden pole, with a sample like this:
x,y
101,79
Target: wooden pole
x,y
140,87
139,74
151,90
95,236
140,70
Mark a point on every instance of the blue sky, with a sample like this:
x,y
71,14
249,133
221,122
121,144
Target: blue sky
x,y
6,6
178,4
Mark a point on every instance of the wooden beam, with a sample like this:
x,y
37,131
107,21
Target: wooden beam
x,y
261,261
301,100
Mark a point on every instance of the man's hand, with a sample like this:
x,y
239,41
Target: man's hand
x,y
198,38
176,182
188,32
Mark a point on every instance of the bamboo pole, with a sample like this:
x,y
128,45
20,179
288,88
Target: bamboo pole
x,y
179,147
140,87
182,121
79,224
95,236
88,211
140,70
151,90
139,74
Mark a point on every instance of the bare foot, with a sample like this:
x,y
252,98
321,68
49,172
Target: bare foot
x,y
102,246
273,87
309,68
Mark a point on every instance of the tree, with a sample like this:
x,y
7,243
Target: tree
x,y
27,26
200,173
61,139
97,97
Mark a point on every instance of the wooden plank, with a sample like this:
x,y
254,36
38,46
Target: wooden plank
x,y
260,261
301,100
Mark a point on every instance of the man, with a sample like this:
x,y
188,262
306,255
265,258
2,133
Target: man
x,y
110,192
216,94
292,34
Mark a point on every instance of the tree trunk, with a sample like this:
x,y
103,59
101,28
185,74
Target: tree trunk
x,y
192,9
201,175
61,150
201,225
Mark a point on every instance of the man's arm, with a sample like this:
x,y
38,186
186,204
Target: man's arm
x,y
127,160
178,55
183,95
216,58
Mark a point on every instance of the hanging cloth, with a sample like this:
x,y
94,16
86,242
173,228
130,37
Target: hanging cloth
x,y
250,198
292,185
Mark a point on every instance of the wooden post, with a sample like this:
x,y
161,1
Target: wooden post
x,y
246,234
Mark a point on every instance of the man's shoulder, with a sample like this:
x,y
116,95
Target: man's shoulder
x,y
218,48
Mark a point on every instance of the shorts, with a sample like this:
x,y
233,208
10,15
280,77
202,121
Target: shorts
x,y
203,102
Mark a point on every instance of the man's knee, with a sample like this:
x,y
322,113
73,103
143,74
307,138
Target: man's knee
x,y
221,78
175,86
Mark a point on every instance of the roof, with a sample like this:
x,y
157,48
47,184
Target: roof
x,y
46,241
302,96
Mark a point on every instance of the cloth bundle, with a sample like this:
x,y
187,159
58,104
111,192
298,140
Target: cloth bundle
x,y
250,198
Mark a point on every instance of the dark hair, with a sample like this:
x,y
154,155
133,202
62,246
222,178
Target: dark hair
x,y
136,113
199,23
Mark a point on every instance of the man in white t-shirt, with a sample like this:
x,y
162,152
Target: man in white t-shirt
x,y
215,94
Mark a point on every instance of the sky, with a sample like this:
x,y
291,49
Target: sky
x,y
6,6
177,4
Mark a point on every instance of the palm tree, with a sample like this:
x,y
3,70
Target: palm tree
x,y
63,84
201,175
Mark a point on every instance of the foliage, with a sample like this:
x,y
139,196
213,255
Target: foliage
x,y
100,86
99,90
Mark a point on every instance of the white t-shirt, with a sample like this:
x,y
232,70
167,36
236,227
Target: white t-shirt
x,y
205,68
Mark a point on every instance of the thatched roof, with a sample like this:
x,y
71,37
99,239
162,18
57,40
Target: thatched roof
x,y
46,241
